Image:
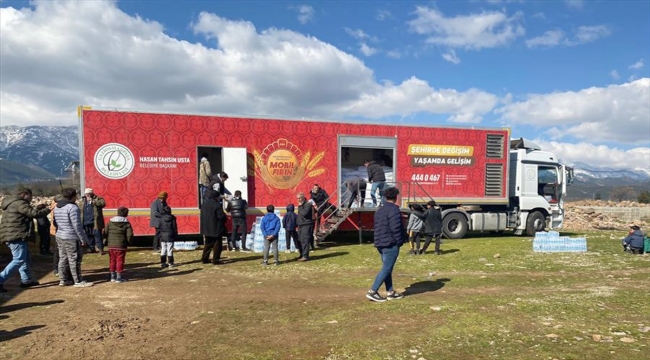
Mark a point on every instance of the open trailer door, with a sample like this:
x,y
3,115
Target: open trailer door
x,y
236,166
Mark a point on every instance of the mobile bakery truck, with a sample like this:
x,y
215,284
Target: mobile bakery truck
x,y
482,181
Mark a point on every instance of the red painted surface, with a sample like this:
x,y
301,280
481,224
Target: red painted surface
x,y
177,136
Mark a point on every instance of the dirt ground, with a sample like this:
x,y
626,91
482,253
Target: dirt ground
x,y
174,312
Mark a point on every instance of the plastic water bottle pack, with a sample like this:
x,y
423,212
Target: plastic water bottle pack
x,y
552,242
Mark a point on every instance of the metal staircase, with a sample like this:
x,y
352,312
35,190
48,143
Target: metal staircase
x,y
332,218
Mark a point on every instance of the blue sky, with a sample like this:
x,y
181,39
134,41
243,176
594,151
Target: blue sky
x,y
572,75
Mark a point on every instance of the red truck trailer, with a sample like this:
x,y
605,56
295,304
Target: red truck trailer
x,y
128,157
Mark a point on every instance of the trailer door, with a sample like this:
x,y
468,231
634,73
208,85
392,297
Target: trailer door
x,y
235,164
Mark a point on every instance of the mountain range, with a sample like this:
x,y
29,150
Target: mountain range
x,y
38,153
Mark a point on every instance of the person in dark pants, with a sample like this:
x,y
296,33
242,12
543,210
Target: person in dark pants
x,y
305,223
432,218
289,225
634,240
43,227
213,226
157,212
389,237
237,209
356,187
92,219
377,178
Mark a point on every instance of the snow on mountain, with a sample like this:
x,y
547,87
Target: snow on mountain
x,y
584,171
49,147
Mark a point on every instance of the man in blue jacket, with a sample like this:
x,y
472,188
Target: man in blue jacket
x,y
634,240
389,237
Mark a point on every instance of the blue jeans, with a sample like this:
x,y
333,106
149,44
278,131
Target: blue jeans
x,y
388,258
377,185
20,262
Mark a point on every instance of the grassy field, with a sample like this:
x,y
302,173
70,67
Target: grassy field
x,y
484,298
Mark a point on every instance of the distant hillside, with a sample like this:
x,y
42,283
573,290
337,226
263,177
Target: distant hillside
x,y
48,147
12,172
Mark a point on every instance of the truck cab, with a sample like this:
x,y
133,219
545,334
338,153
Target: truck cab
x,y
537,187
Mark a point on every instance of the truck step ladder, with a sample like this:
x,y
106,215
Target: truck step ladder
x,y
331,223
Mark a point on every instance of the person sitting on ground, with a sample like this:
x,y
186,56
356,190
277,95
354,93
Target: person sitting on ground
x,y
634,240
168,234
270,226
119,235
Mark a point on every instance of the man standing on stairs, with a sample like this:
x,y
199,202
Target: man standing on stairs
x,y
305,223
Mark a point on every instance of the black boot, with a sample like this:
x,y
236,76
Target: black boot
x,y
163,261
170,260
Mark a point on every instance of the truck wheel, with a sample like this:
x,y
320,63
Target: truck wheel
x,y
535,223
454,226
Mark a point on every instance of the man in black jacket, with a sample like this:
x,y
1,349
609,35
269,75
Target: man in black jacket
x,y
237,209
213,226
389,237
305,223
432,218
377,178
157,211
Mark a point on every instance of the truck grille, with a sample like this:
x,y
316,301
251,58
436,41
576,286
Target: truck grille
x,y
493,180
494,146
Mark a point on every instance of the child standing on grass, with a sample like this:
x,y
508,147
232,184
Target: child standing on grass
x,y
119,235
168,234
289,225
270,226
414,228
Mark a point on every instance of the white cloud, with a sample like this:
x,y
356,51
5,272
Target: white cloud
x,y
451,57
382,14
582,35
367,50
586,34
488,29
395,54
305,13
467,104
360,35
549,39
51,63
637,65
614,74
575,4
539,15
599,155
612,113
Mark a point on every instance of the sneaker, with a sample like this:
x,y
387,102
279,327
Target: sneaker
x,y
245,250
276,263
265,263
28,285
120,280
65,283
374,296
102,252
56,273
162,266
287,251
83,284
394,296
170,265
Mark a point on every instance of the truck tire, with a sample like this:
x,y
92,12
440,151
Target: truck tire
x,y
454,226
535,223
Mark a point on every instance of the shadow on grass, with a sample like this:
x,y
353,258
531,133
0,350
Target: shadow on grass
x,y
17,307
16,333
317,257
421,287
137,274
228,260
443,252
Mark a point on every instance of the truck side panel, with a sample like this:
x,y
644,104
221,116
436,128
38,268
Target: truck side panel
x,y
129,157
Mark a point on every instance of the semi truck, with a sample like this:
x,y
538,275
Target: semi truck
x,y
481,179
